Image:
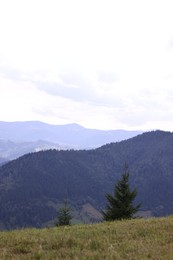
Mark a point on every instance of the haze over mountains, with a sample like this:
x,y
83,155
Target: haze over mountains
x,y
18,138
34,186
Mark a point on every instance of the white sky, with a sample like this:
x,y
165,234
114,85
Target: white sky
x,y
102,64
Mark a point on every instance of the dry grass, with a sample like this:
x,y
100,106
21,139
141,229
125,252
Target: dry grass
x,y
131,239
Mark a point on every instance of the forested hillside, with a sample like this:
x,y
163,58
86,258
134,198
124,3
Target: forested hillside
x,y
33,187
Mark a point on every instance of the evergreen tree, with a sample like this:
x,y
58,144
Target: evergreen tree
x,y
64,217
120,206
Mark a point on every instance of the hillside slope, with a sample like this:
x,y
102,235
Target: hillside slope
x,y
33,186
130,239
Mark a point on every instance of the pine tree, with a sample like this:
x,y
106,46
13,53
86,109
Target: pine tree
x,y
64,217
120,206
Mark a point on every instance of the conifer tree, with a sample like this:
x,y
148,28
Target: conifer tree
x,y
120,205
64,217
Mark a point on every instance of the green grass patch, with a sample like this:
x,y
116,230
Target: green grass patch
x,y
128,239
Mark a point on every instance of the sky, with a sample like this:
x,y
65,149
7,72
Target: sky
x,y
104,64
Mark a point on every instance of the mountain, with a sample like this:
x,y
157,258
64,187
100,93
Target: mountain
x,y
33,186
2,161
11,150
19,138
70,135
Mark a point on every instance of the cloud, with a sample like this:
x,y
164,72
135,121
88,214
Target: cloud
x,y
61,100
74,93
72,86
74,79
170,44
78,87
107,76
10,73
81,89
148,108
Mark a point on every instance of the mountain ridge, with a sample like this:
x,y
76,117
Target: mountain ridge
x,y
18,138
69,134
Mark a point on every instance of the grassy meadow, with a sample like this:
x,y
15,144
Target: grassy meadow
x,y
128,239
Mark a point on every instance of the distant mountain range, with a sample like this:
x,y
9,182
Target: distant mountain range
x,y
18,138
33,187
11,150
